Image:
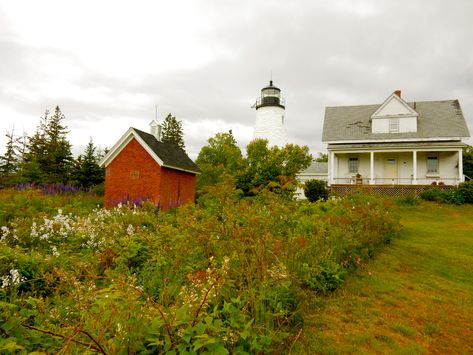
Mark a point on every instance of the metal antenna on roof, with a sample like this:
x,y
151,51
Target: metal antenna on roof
x,y
156,106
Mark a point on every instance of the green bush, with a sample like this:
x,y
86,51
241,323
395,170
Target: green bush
x,y
459,195
315,190
465,189
433,194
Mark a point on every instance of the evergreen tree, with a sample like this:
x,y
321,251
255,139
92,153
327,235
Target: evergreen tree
x,y
9,162
172,131
87,170
48,157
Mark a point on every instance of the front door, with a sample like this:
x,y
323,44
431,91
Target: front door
x,y
390,171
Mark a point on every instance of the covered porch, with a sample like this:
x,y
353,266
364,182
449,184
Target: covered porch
x,y
414,164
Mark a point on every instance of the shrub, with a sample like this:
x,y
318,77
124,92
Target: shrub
x,y
465,189
433,194
459,195
315,190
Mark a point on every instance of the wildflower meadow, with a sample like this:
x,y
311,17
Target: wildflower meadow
x,y
227,275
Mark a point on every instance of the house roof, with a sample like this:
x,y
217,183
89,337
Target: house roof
x,y
316,168
437,119
166,154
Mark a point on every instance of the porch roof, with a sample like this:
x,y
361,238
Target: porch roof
x,y
436,119
398,146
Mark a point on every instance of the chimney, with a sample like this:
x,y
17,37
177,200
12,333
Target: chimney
x,y
398,93
155,129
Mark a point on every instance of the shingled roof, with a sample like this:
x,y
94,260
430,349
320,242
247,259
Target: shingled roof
x,y
443,119
171,155
316,168
167,154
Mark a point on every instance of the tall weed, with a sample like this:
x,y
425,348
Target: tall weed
x,y
226,275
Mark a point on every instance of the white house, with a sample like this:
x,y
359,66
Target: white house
x,y
396,142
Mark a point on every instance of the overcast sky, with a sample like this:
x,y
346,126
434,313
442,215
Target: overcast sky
x,y
107,64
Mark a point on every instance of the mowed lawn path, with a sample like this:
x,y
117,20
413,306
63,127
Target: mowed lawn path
x,y
414,297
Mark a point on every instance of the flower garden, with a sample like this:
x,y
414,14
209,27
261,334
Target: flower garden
x,y
228,275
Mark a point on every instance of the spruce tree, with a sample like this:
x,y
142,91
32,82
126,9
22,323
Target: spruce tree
x,y
172,131
87,169
58,167
48,157
9,162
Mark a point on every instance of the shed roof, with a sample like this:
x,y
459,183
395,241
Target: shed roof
x,y
166,154
436,119
171,155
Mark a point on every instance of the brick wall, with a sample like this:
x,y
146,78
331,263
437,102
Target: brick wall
x,y
131,175
134,174
177,187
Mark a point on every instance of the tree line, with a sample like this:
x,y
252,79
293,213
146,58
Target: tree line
x,y
46,158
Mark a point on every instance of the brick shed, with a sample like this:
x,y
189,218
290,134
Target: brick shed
x,y
140,167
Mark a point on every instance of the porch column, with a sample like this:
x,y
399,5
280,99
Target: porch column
x,y
414,167
372,168
460,165
331,168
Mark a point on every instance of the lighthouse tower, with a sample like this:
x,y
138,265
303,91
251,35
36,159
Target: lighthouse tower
x,y
269,122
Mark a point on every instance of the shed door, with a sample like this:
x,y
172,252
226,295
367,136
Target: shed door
x,y
390,170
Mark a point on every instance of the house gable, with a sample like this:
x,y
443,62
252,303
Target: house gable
x,y
394,116
166,154
129,135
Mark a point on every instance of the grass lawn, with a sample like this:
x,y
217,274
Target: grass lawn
x,y
414,297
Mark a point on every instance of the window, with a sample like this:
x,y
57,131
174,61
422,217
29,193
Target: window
x,y
432,165
394,125
353,165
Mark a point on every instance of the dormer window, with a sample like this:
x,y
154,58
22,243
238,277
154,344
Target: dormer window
x,y
394,116
394,125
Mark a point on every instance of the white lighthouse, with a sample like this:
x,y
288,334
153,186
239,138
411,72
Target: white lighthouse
x,y
270,116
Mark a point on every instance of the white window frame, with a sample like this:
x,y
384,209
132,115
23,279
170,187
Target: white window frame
x,y
432,171
353,165
394,125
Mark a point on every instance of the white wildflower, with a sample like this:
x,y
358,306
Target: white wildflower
x,y
55,252
12,279
130,230
5,281
4,232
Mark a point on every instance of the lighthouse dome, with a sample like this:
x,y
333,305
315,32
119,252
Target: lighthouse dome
x,y
270,96
270,110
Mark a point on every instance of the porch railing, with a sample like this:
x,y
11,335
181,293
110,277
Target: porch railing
x,y
362,180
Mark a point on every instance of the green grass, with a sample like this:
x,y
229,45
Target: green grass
x,y
414,297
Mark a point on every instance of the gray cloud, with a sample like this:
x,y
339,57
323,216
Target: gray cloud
x,y
320,54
